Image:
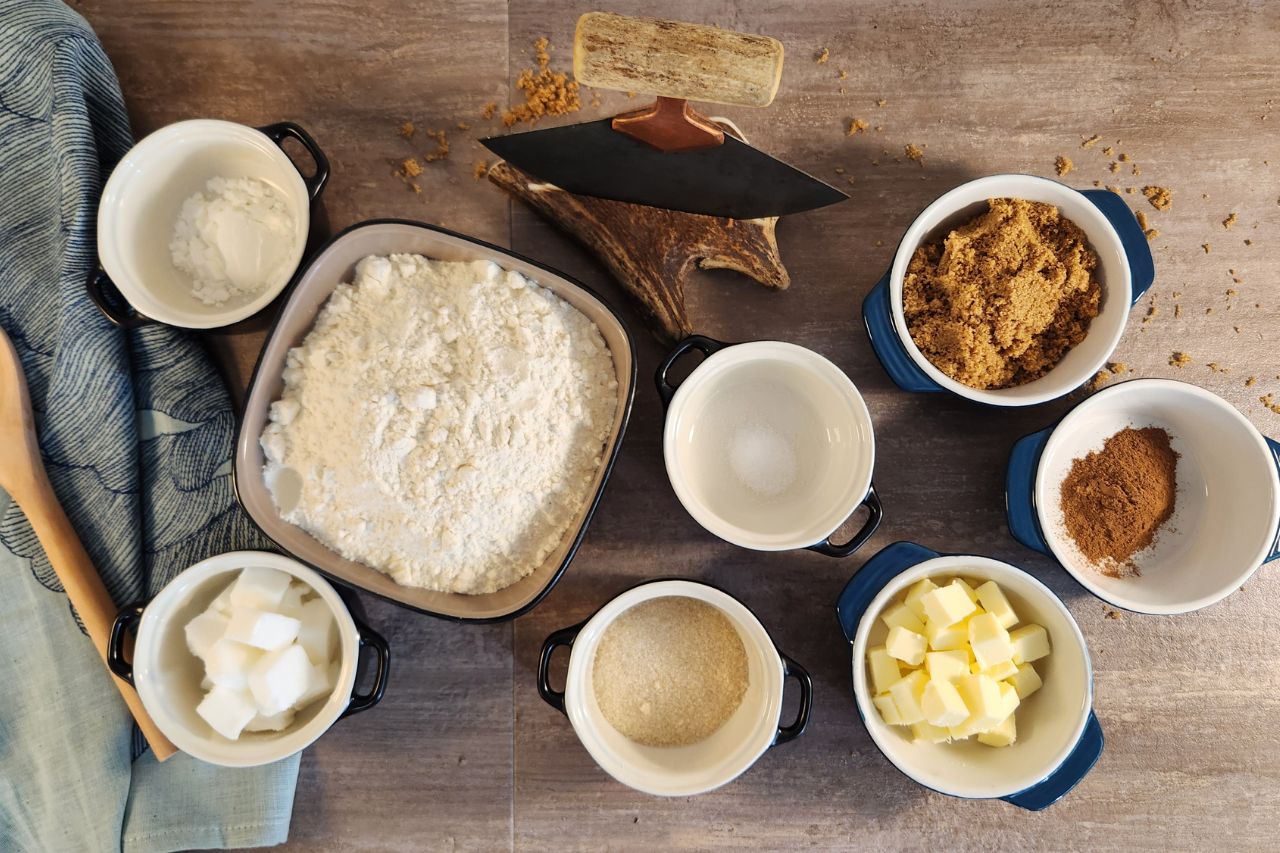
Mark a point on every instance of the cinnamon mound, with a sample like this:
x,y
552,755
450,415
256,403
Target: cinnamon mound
x,y
1004,297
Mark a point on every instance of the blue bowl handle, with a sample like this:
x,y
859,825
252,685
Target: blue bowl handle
x,y
1020,490
1137,248
886,344
891,561
1275,457
1060,782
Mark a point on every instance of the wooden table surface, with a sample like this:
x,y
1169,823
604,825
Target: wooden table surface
x,y
462,754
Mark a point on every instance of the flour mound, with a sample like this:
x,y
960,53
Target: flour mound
x,y
443,422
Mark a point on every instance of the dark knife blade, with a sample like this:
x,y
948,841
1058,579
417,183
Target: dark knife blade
x,y
733,179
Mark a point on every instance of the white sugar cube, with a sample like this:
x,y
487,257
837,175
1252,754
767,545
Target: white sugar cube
x,y
228,663
227,710
205,630
279,679
291,603
259,588
319,631
267,631
319,683
272,723
222,604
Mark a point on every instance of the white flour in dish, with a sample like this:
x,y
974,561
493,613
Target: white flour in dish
x,y
232,238
445,421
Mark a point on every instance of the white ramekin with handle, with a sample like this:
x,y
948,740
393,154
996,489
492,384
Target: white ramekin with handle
x,y
684,770
142,200
1226,520
1125,271
167,675
1059,737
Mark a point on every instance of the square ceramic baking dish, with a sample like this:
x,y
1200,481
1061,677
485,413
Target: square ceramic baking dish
x,y
335,262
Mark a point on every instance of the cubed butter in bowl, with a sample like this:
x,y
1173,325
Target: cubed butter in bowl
x,y
998,702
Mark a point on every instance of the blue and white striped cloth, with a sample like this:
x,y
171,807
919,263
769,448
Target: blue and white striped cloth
x,y
136,431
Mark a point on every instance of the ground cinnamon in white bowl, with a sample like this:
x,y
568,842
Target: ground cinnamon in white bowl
x,y
1116,500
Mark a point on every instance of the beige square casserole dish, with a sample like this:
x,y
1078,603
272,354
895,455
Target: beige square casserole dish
x,y
334,263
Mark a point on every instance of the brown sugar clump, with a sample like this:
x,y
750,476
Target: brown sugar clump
x,y
410,168
822,56
490,109
1062,165
856,125
479,170
1091,141
546,92
406,129
1269,401
1229,221
915,152
1004,297
1179,359
1159,197
1206,247
1115,500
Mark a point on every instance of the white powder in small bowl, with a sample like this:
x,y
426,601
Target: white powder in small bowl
x,y
232,238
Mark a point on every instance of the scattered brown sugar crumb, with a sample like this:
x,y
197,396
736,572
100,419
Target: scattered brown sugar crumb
x,y
442,146
841,74
479,170
1159,197
1108,613
839,170
1097,183
879,128
1208,311
881,102
410,168
1136,170
1146,228
1177,309
1205,246
1229,221
406,129
856,125
1248,242
1179,359
546,92
1231,291
1124,158
1115,167
1099,379
1003,297
1108,150
822,56
595,99
489,110
1177,294
1091,141
1111,188
1151,312
1062,165
462,125
915,152
1270,402
1117,367
1251,381
1217,368
1116,500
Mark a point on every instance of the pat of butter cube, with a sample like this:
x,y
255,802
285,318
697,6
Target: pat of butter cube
x,y
205,630
1010,697
1025,681
227,710
907,646
888,710
272,723
968,590
992,599
899,615
1030,642
1001,671
319,631
989,640
926,732
228,663
947,665
981,694
1002,735
279,679
262,630
917,591
259,588
946,637
942,704
906,696
947,605
884,669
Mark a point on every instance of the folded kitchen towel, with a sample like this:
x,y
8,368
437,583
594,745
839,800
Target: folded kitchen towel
x,y
136,430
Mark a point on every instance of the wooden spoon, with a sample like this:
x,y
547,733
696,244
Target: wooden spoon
x,y
22,475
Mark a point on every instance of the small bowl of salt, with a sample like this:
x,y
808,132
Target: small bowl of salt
x,y
769,446
203,223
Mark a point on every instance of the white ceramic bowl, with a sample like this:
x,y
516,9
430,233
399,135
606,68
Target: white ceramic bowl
x,y
167,676
1125,271
769,445
686,770
144,195
1053,750
1228,505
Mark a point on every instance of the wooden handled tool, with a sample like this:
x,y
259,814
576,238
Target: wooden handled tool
x,y
678,62
23,476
